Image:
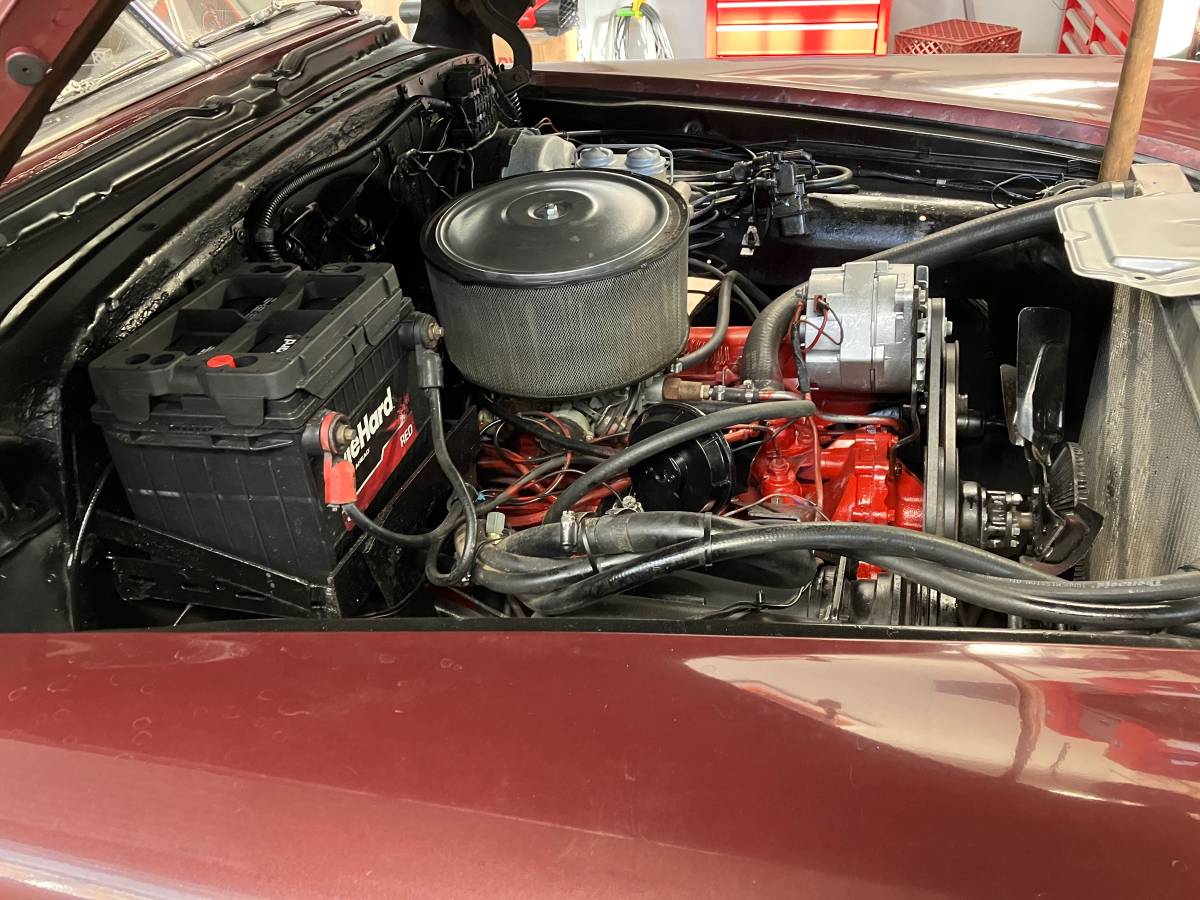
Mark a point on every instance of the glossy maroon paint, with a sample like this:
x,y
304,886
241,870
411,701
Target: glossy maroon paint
x,y
191,92
1065,98
59,35
509,764
600,765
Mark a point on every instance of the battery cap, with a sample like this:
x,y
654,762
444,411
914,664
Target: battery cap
x,y
222,361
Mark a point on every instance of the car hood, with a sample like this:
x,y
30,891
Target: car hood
x,y
1064,99
581,764
42,52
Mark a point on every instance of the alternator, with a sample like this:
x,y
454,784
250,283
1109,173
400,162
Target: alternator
x,y
860,324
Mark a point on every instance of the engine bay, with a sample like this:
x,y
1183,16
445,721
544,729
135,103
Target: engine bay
x,y
503,360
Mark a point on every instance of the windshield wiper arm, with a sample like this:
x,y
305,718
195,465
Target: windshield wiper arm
x,y
264,15
77,88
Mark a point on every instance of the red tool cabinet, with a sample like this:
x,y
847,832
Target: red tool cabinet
x,y
797,27
1096,27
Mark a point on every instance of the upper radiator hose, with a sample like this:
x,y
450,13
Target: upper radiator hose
x,y
760,358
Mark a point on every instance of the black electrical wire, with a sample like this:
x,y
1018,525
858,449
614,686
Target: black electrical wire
x,y
86,518
760,358
550,466
541,431
263,239
707,219
703,240
720,329
356,515
748,606
465,557
671,437
433,540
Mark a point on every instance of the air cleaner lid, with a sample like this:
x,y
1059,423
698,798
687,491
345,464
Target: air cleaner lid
x,y
551,227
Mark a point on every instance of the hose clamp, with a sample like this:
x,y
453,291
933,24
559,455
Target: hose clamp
x,y
587,548
568,527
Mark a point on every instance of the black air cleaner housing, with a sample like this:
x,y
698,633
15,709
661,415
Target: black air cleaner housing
x,y
561,284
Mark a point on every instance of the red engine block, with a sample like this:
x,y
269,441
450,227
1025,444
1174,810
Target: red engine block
x,y
857,477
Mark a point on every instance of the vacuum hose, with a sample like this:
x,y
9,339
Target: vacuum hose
x,y
672,437
720,329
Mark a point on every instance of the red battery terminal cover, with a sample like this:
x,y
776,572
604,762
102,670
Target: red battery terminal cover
x,y
337,470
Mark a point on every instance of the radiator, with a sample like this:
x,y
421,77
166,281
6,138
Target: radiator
x,y
1142,437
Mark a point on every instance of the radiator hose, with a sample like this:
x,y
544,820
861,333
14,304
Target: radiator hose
x,y
760,357
968,573
538,560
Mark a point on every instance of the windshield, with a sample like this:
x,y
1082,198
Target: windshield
x,y
165,43
127,48
147,34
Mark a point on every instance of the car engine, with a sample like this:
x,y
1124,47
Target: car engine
x,y
473,365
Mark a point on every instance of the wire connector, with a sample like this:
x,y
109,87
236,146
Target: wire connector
x,y
430,372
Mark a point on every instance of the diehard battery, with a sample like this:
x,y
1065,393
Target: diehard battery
x,y
205,409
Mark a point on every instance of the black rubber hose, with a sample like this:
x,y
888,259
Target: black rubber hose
x,y
760,357
720,329
841,175
670,437
632,533
529,577
1133,613
873,544
498,572
1179,586
541,432
263,239
754,295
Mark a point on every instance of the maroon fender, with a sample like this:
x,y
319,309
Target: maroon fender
x,y
500,764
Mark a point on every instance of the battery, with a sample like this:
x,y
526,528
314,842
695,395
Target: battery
x,y
205,410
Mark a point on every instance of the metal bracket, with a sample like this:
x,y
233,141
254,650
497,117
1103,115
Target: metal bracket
x,y
1147,241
